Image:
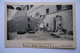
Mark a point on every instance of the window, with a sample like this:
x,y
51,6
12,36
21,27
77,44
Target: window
x,y
10,7
69,6
27,7
18,8
47,10
31,6
58,7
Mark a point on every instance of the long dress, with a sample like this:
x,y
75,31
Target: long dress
x,y
41,26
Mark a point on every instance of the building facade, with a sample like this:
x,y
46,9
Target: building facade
x,y
53,16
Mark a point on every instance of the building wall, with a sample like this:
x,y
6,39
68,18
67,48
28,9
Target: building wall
x,y
10,14
66,19
41,10
65,14
14,12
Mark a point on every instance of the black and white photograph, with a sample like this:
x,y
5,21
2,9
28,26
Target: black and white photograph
x,y
40,22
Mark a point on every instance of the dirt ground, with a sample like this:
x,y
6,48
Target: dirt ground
x,y
40,35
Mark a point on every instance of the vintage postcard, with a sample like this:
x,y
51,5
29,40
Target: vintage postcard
x,y
40,24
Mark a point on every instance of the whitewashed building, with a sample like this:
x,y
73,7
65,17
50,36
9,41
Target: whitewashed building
x,y
48,13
